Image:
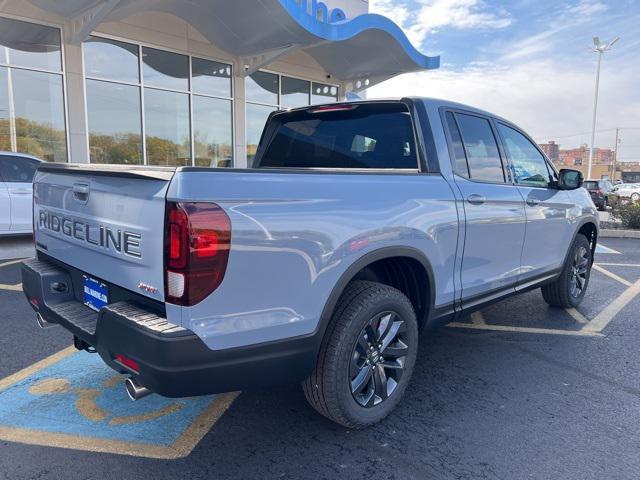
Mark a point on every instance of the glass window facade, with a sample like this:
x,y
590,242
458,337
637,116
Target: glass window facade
x,y
32,112
266,92
154,107
115,126
111,59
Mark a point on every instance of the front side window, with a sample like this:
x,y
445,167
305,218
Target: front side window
x,y
32,115
368,136
529,166
17,169
480,148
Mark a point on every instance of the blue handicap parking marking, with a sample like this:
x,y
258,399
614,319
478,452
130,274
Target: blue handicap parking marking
x,y
602,249
79,397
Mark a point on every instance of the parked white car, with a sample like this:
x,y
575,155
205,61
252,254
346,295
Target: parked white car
x,y
16,177
628,190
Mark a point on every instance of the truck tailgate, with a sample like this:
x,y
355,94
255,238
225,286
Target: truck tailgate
x,y
106,221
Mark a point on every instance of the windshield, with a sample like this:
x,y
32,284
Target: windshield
x,y
590,185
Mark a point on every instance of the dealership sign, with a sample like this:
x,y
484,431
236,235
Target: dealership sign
x,y
321,12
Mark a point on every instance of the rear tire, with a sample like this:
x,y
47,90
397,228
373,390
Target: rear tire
x,y
353,384
568,290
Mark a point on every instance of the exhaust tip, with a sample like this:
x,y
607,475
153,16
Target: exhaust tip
x,y
42,323
135,390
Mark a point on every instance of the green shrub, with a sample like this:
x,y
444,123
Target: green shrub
x,y
627,213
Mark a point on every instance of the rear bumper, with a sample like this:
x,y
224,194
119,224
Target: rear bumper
x,y
172,361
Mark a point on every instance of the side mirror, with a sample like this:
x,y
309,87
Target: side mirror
x,y
569,179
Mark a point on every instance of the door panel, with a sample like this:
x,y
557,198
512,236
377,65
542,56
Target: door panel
x,y
20,194
494,210
495,230
548,231
5,208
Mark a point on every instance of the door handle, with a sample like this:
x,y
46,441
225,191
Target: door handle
x,y
532,201
475,199
22,191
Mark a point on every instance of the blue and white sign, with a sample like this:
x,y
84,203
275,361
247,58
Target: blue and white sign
x,y
322,12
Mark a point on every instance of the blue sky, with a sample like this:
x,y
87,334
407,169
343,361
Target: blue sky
x,y
529,61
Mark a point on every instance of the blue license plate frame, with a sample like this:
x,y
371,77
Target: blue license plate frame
x,y
95,294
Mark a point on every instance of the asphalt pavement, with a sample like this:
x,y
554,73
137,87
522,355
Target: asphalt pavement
x,y
520,390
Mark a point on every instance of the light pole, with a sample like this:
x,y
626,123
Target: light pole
x,y
599,48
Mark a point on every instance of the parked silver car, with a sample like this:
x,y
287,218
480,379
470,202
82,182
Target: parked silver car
x,y
16,177
629,191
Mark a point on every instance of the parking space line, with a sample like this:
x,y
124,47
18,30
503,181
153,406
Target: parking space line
x,y
577,316
599,323
611,275
36,367
619,264
13,288
477,318
603,249
506,328
11,262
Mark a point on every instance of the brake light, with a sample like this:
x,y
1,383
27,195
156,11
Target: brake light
x,y
331,108
197,242
599,192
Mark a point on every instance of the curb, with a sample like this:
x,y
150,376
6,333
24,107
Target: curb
x,y
615,233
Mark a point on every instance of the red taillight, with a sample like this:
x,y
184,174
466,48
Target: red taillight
x,y
127,362
599,192
331,108
197,242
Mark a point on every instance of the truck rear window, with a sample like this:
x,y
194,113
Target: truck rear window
x,y
375,136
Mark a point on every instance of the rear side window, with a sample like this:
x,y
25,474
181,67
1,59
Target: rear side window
x,y
17,169
480,148
459,159
376,136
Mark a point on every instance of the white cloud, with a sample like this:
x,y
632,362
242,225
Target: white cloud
x,y
428,16
547,99
588,8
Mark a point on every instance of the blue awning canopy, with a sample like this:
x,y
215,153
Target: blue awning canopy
x,y
362,51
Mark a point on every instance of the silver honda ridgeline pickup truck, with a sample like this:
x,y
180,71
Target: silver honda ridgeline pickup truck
x,y
359,225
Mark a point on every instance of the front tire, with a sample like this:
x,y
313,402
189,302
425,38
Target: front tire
x,y
568,290
367,356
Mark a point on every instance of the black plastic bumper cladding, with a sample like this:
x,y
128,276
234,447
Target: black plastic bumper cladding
x,y
173,365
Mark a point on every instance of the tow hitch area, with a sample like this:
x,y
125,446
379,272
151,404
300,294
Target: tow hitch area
x,y
82,345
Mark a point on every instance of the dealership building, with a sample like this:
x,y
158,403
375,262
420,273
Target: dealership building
x,y
180,82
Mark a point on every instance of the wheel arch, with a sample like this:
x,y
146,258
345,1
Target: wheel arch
x,y
373,258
